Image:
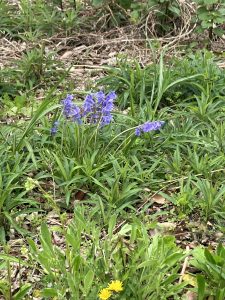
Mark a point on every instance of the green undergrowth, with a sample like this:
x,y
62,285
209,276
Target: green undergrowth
x,y
31,21
90,188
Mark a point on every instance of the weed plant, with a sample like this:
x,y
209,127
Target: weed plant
x,y
89,167
35,19
130,256
99,158
35,69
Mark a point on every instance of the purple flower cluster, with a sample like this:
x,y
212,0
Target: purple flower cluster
x,y
97,108
70,110
148,126
54,128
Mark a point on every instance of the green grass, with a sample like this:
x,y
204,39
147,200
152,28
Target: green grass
x,y
93,204
115,171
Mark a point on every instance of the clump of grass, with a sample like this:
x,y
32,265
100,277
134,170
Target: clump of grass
x,y
102,158
31,21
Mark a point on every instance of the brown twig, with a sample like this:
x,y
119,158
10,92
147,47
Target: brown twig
x,y
185,264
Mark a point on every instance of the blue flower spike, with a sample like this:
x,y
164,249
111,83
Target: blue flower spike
x,y
149,126
54,128
70,110
98,107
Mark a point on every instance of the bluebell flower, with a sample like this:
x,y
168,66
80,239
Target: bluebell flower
x,y
76,114
54,128
100,96
107,105
149,126
106,119
138,131
67,105
89,104
70,110
98,107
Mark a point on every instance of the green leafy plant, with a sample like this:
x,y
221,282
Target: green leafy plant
x,y
185,199
119,190
67,158
210,14
13,200
34,70
37,19
89,262
6,289
120,12
37,68
144,87
203,164
212,264
211,198
6,22
166,12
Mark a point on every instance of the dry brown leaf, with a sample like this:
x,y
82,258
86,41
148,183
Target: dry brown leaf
x,y
153,232
67,54
191,296
56,239
158,199
80,195
167,226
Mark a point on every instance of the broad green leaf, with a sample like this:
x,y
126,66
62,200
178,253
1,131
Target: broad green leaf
x,y
201,287
175,10
209,257
88,279
13,259
112,223
49,292
46,238
97,2
173,259
2,235
22,292
125,3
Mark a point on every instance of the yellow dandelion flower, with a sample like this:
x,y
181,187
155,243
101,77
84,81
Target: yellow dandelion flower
x,y
105,294
116,286
37,294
